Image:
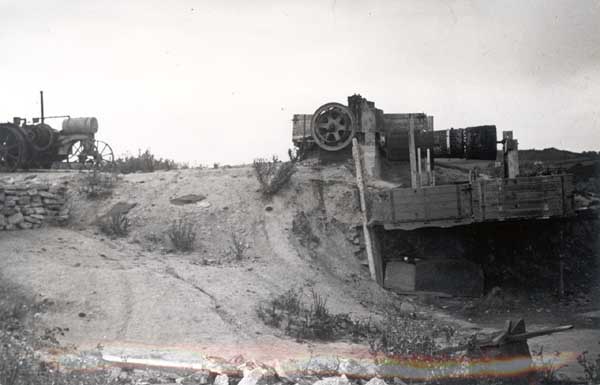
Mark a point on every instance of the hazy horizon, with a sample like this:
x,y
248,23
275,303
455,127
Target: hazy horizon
x,y
205,82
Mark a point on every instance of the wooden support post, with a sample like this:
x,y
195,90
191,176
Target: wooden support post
x,y
429,173
561,265
373,255
412,155
511,158
419,171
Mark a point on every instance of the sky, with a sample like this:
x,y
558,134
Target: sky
x,y
219,81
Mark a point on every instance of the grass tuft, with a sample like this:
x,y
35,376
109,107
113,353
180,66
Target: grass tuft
x,y
182,234
116,225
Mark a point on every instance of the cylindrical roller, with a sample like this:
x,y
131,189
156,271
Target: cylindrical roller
x,y
333,126
86,126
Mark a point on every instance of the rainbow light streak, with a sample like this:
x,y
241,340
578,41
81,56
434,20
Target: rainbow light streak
x,y
353,365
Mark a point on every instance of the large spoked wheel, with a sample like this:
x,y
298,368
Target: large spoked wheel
x,y
90,154
333,126
12,148
104,156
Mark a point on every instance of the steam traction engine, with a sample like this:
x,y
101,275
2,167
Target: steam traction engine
x,y
26,145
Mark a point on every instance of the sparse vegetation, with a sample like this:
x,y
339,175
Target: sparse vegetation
x,y
395,335
97,184
312,321
273,174
144,162
545,367
182,234
18,362
591,368
238,246
400,334
115,225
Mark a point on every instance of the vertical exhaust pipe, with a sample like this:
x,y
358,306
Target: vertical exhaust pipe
x,y
42,105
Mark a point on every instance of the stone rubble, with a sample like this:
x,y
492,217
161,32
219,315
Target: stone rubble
x,y
27,205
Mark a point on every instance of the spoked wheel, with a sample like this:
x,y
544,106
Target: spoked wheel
x,y
12,148
333,126
90,154
104,156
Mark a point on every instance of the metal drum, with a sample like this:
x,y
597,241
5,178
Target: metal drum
x,y
86,126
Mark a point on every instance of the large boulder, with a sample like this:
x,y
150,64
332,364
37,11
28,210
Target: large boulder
x,y
259,376
376,381
342,380
322,365
221,379
357,369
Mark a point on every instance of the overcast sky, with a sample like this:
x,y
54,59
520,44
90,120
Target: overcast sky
x,y
219,81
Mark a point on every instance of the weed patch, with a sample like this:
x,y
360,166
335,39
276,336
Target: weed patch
x,y
273,175
591,368
115,225
144,162
238,246
182,234
307,317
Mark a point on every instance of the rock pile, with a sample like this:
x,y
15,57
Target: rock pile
x,y
28,206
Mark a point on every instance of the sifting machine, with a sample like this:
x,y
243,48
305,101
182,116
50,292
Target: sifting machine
x,y
400,149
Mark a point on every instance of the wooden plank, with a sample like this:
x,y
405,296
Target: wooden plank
x,y
411,149
546,208
527,194
373,256
415,225
521,202
528,214
532,187
422,200
430,191
433,216
417,213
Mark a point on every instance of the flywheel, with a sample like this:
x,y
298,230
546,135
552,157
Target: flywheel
x,y
333,126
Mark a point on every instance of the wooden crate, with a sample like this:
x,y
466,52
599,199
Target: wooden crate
x,y
485,200
525,197
301,127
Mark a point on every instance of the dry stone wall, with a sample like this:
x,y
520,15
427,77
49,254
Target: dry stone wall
x,y
29,206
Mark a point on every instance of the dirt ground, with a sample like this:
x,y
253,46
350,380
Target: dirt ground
x,y
137,295
137,290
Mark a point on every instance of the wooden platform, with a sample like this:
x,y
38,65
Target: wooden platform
x,y
450,205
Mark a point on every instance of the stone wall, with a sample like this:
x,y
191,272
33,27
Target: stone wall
x,y
28,206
